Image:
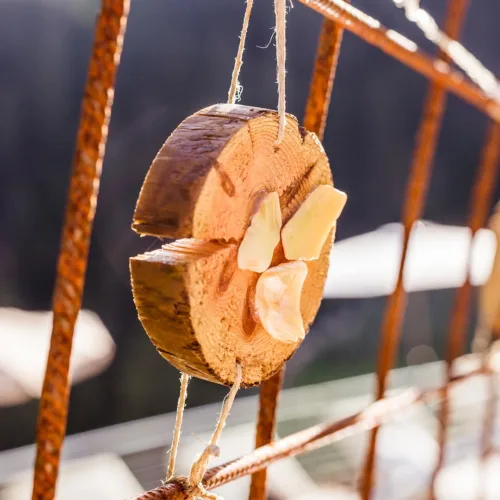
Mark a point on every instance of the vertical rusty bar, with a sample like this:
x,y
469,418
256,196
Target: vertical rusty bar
x,y
321,86
266,427
481,201
416,191
490,413
72,262
315,121
489,417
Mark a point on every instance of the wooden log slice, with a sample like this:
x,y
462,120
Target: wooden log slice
x,y
194,302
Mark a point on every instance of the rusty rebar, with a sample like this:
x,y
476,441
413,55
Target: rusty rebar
x,y
72,262
416,191
310,439
405,51
480,205
78,222
320,90
266,428
490,414
314,120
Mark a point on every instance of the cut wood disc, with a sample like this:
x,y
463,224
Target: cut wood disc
x,y
194,302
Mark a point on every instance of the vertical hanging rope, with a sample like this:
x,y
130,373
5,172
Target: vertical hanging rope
x,y
280,30
75,241
200,466
235,89
178,425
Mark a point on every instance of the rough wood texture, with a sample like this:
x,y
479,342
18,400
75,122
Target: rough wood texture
x,y
194,302
204,180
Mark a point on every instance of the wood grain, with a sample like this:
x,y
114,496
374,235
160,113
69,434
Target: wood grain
x,y
194,302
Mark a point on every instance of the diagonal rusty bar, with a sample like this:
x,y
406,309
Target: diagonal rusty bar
x,y
482,199
310,439
302,441
72,263
416,191
405,51
314,120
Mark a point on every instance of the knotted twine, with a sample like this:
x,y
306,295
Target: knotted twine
x,y
235,88
280,29
193,484
178,424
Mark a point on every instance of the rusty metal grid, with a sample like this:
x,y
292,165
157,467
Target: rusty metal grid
x,y
96,110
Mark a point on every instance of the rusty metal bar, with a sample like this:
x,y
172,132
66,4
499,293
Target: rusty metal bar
x,y
490,414
78,222
72,263
310,439
320,90
314,120
489,418
481,202
416,191
266,428
404,51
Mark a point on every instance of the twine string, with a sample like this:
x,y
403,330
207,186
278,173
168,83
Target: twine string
x,y
235,88
178,425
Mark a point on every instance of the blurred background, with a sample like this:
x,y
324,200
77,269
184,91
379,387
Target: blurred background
x,y
178,58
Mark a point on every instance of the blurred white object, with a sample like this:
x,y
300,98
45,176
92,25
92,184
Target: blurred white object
x,y
367,265
103,477
329,493
25,340
11,392
406,455
460,481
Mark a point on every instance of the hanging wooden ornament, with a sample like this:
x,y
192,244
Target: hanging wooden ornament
x,y
203,189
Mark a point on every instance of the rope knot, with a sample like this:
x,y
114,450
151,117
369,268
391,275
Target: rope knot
x,y
192,486
199,467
